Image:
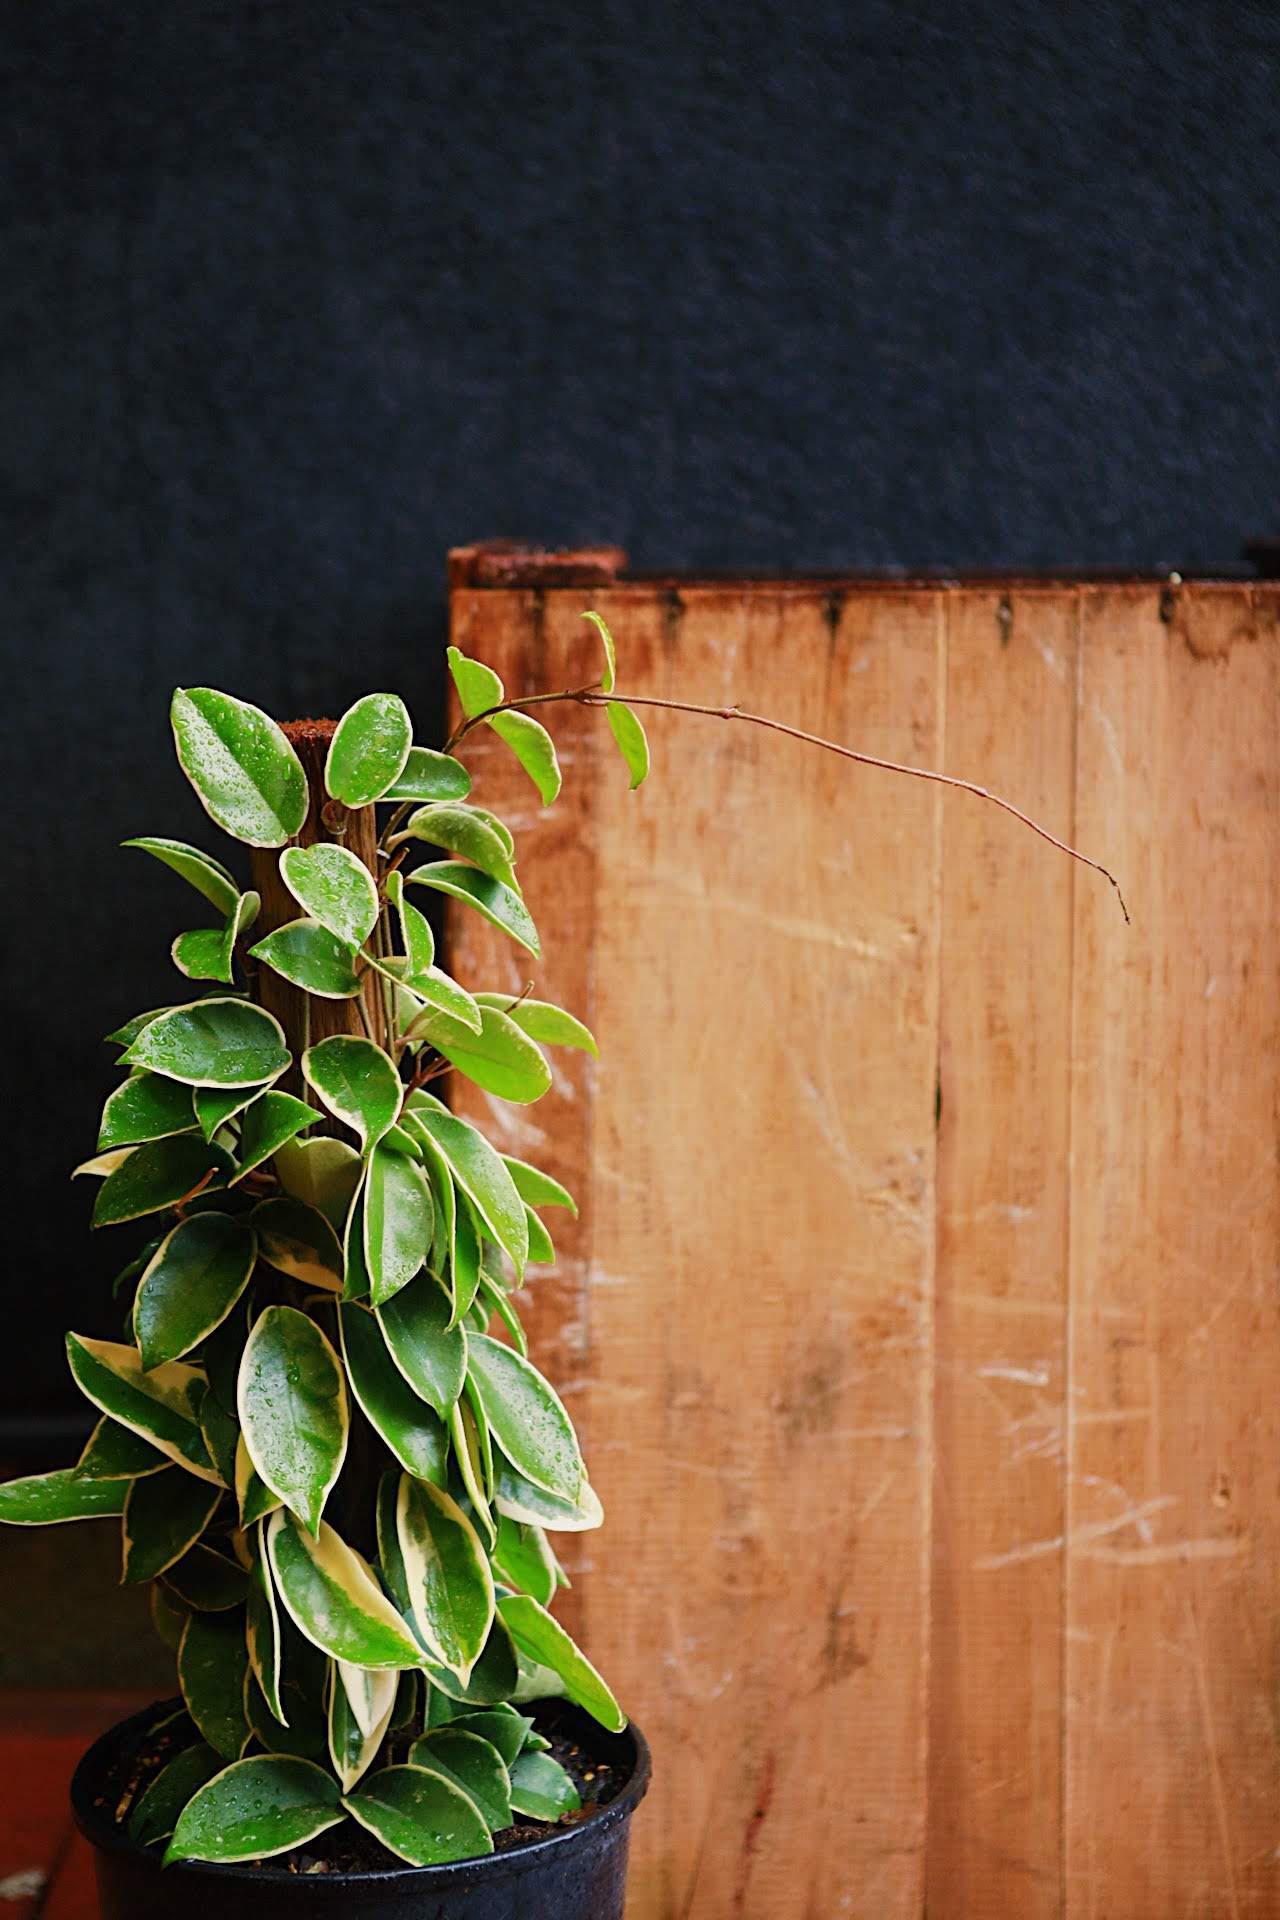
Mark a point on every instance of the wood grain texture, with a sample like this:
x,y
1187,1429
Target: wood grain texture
x,y
1173,1525
995,1834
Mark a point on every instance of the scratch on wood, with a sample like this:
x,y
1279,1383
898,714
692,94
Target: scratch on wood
x,y
1079,1536
1211,1749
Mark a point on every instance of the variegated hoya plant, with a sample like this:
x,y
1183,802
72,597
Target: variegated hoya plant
x,y
329,1452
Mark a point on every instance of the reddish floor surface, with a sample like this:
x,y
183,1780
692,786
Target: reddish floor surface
x,y
46,1870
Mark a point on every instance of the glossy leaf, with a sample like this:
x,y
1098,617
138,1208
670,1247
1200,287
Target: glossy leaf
x,y
323,1173
219,1042
483,1176
527,1418
470,1443
214,1106
398,1217
541,1789
262,1627
419,941
164,1514
156,1811
200,870
357,1083
464,1260
519,1499
502,1727
435,992
221,1432
447,1572
491,1299
206,1581
212,1663
632,743
462,831
124,1036
145,1107
542,1252
333,886
538,1189
157,1175
297,1239
272,1120
47,1499
428,775
195,1277
162,1405
333,1599
253,1496
500,1058
246,775
523,1559
550,1025
471,1763
355,1274
534,748
430,1354
543,1639
369,748
307,955
420,1816
259,1807
608,677
112,1452
414,1433
354,1695
493,1679
207,953
498,903
479,687
292,1402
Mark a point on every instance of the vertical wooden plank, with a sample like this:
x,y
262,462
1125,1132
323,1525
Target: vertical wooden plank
x,y
1173,1525
1005,1014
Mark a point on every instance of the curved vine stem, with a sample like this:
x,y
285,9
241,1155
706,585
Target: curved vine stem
x,y
594,696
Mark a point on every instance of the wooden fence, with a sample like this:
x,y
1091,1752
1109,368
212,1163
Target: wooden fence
x,y
921,1321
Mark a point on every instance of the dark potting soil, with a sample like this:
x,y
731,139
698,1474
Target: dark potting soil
x,y
351,1848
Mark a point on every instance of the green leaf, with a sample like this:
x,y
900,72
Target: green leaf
x,y
500,1058
533,747
430,1354
157,1175
419,941
420,1816
414,1433
323,1173
269,1122
471,1763
369,748
307,955
262,1627
126,1035
214,1106
155,1812
206,1581
543,1639
397,1140
447,1574
301,1734
480,890
163,1406
464,832
355,1274
164,1514
494,1678
207,875
195,1277
399,1218
471,1449
464,1259
145,1107
491,1299
332,1597
479,687
212,1663
429,775
292,1402
541,1789
257,1808
169,1618
527,1418
356,1696
523,1559
439,993
502,1727
219,1042
112,1452
297,1239
253,1496
542,1251
246,775
519,1499
207,953
357,1083
334,887
632,744
548,1024
45,1499
484,1178
608,678
538,1189
221,1431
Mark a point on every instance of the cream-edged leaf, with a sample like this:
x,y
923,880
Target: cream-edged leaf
x,y
415,928
332,1598
420,1816
369,748
47,1499
533,747
113,1452
519,1499
157,1175
464,831
146,1106
298,1240
353,1748
541,1789
257,1808
212,1663
358,1084
482,1175
333,886
500,1058
447,1572
308,956
608,677
527,1418
429,1351
193,1280
322,1173
415,1434
632,743
164,1515
162,1405
471,1763
270,1122
245,773
200,870
479,687
428,775
398,1220
550,1025
497,902
219,1042
292,1403
155,1813
541,1638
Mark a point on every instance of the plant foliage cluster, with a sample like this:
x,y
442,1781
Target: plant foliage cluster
x,y
327,1448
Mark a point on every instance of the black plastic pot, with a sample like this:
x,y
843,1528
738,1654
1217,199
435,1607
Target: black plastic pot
x,y
576,1873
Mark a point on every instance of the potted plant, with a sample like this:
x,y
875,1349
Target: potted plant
x,y
326,1446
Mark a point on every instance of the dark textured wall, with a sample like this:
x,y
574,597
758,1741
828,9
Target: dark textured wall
x,y
295,295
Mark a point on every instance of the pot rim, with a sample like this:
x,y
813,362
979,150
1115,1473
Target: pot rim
x,y
101,1831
